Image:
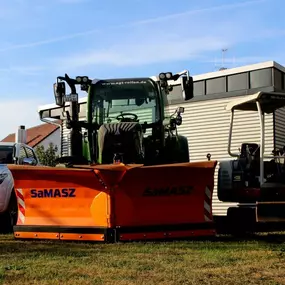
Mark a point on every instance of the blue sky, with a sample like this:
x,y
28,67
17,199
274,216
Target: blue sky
x,y
42,39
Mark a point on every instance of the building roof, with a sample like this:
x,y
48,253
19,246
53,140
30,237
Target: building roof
x,y
36,134
199,77
240,69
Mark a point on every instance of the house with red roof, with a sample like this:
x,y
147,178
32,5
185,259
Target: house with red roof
x,y
42,134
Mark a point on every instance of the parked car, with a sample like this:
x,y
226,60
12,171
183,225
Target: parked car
x,y
11,153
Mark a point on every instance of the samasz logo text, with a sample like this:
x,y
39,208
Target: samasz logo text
x,y
168,191
53,193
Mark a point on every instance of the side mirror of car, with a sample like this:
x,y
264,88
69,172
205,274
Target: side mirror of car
x,y
29,161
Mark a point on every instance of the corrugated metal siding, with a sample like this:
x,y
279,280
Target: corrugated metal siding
x,y
65,140
280,128
206,125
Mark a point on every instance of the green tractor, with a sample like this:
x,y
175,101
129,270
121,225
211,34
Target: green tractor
x,y
125,120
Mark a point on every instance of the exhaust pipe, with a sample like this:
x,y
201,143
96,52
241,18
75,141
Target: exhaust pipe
x,y
21,135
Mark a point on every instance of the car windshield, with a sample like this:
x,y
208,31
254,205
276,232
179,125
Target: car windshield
x,y
111,98
6,154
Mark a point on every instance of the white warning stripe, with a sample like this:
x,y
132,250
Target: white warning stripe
x,y
21,217
20,191
21,202
207,219
208,192
22,206
207,207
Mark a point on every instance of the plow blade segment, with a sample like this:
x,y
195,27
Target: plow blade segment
x,y
165,200
57,202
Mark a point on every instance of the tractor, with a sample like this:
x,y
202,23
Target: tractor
x,y
125,121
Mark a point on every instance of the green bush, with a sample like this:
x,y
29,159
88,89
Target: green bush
x,y
47,156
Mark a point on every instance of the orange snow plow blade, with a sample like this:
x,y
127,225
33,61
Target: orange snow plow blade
x,y
114,202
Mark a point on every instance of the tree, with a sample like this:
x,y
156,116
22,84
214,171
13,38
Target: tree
x,y
47,156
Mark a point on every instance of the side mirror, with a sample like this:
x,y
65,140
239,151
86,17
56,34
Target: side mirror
x,y
29,161
59,93
180,110
187,88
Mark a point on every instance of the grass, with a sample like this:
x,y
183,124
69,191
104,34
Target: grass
x,y
258,260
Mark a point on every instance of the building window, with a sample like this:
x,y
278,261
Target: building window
x,y
278,79
216,85
199,88
261,78
238,82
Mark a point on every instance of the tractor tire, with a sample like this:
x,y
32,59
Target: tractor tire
x,y
183,151
9,218
241,221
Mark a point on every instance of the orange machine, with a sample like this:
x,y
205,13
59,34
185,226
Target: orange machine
x,y
114,202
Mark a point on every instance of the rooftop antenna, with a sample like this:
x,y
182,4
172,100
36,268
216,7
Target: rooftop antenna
x,y
223,58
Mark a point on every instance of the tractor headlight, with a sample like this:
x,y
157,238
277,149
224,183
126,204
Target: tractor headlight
x,y
168,75
85,79
78,79
162,76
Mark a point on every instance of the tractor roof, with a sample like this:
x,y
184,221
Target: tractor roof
x,y
119,81
269,101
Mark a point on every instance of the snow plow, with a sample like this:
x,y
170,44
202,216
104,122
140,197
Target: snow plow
x,y
129,177
115,202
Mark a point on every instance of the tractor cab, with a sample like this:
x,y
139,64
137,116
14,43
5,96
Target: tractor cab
x,y
124,110
253,176
125,119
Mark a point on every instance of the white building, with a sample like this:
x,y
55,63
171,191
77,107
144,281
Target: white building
x,y
205,121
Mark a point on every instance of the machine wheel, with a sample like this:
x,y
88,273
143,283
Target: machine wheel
x,y
9,218
176,150
183,151
241,221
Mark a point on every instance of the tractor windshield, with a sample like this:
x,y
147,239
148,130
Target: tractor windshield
x,y
114,97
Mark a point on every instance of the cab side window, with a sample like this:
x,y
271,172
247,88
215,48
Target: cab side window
x,y
31,154
22,154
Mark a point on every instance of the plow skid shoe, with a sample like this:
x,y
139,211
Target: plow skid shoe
x,y
270,212
114,202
